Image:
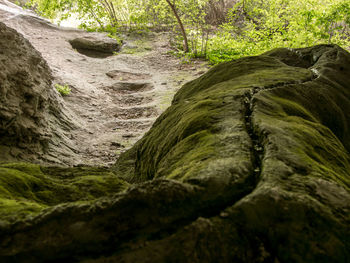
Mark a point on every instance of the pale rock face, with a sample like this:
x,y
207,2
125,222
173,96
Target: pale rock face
x,y
31,114
25,87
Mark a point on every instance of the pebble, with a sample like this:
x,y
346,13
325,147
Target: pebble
x,y
224,214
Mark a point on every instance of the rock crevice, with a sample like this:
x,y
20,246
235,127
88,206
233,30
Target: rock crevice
x,y
252,129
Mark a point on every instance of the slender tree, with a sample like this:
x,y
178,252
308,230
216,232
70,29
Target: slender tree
x,y
182,28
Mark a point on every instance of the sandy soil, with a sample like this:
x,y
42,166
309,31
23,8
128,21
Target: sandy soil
x,y
114,100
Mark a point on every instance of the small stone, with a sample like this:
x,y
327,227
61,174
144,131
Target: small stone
x,y
224,214
97,42
117,144
129,135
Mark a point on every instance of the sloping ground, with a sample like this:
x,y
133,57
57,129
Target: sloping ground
x,y
249,164
108,109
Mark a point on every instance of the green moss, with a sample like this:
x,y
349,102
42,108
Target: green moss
x,y
189,132
306,126
259,146
11,208
186,159
258,128
296,127
247,72
292,109
29,188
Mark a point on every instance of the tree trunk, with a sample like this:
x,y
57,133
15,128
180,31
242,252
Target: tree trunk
x,y
110,10
185,44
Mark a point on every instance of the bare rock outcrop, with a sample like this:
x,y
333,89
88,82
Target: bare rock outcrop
x,y
32,119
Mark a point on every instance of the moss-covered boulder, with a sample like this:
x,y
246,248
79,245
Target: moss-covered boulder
x,y
27,189
250,164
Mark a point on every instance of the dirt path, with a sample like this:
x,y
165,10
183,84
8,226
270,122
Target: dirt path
x,y
114,100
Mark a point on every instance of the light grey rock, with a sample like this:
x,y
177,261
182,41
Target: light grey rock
x,y
95,45
31,115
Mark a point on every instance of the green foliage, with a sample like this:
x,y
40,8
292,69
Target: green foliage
x,y
64,90
106,14
254,27
251,26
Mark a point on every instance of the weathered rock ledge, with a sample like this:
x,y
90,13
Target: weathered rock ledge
x,y
250,164
33,120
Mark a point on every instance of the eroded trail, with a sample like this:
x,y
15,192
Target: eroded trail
x,y
114,100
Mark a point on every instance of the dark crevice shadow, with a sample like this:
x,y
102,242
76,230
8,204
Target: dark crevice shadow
x,y
93,53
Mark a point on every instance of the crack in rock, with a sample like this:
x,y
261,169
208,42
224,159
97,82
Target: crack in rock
x,y
257,150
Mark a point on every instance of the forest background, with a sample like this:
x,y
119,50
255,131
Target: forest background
x,y
217,30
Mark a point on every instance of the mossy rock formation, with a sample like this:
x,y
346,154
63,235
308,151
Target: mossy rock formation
x,y
250,164
27,189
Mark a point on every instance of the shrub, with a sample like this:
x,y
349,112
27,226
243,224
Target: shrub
x,y
64,90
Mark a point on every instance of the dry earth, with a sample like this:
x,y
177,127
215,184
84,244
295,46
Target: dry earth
x,y
114,100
